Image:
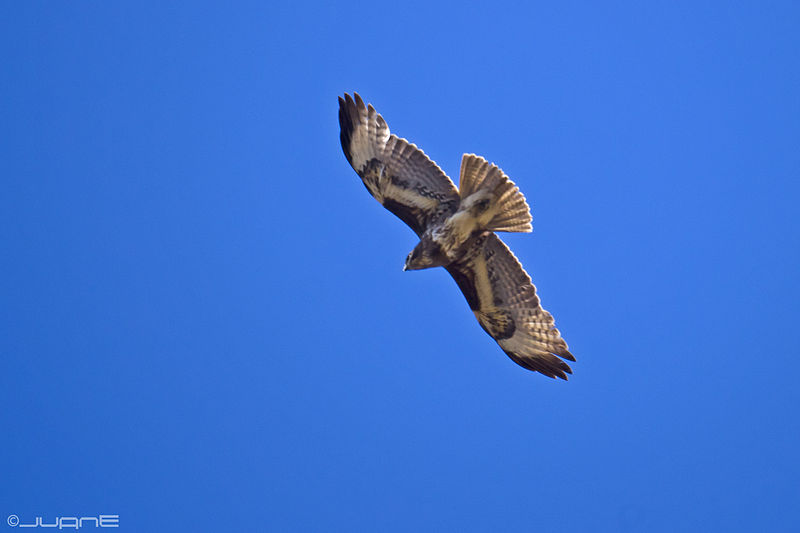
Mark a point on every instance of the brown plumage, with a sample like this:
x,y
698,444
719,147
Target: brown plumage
x,y
456,229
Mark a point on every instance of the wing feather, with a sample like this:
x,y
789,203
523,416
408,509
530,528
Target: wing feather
x,y
504,300
397,173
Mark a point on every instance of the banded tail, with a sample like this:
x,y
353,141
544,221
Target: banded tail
x,y
497,201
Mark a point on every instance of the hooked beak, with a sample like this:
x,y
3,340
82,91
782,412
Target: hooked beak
x,y
405,267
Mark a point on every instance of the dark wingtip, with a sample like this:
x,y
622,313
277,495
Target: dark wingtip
x,y
563,370
346,123
566,355
551,367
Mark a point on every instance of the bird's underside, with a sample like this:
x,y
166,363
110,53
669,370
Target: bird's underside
x,y
456,229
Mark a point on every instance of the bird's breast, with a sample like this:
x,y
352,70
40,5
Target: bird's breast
x,y
454,233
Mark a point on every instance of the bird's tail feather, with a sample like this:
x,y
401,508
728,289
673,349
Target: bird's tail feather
x,y
511,210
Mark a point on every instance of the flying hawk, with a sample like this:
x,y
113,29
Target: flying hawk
x,y
456,230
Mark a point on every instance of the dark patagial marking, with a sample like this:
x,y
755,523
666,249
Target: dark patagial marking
x,y
463,271
494,277
466,285
409,215
375,170
494,281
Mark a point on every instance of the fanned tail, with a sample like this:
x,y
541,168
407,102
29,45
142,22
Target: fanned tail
x,y
508,210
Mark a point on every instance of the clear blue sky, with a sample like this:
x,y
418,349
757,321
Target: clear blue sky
x,y
205,326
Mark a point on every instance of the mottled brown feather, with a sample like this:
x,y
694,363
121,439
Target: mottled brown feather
x,y
395,172
495,285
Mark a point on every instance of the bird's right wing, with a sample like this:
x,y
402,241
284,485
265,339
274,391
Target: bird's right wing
x,y
504,301
397,173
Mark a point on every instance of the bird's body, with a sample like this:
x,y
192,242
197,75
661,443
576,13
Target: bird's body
x,y
456,230
451,239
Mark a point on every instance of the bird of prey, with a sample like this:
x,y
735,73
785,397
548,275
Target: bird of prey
x,y
456,231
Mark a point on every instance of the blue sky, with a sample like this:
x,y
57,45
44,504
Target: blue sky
x,y
204,323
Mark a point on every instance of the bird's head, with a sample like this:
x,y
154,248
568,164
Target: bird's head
x,y
426,254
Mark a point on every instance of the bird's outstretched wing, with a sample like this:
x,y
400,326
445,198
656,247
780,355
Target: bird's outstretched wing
x,y
397,173
504,301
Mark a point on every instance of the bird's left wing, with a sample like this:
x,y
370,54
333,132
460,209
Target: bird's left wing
x,y
504,301
397,173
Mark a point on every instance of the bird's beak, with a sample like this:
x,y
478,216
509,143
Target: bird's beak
x,y
405,267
